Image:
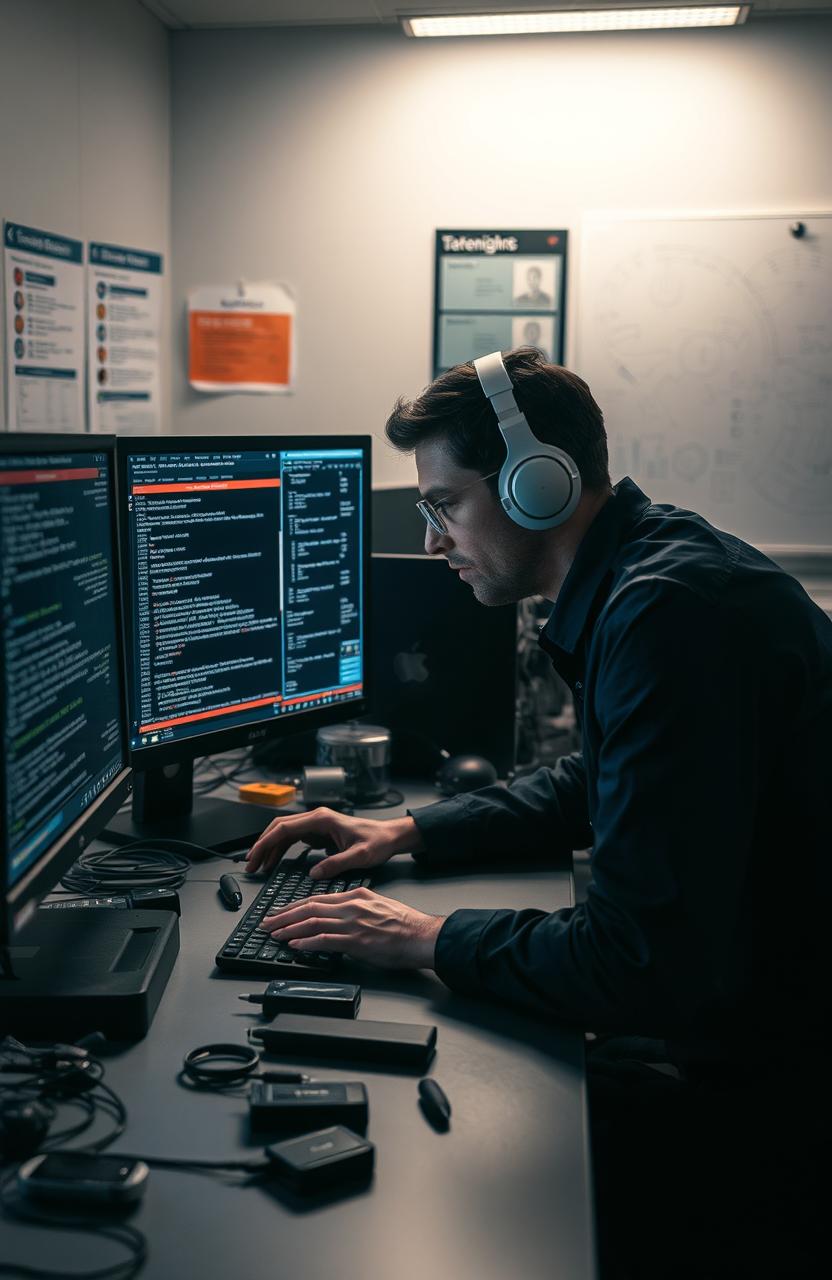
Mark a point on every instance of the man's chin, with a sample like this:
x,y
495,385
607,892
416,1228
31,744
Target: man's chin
x,y
489,593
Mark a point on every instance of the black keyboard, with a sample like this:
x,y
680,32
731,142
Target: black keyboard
x,y
249,949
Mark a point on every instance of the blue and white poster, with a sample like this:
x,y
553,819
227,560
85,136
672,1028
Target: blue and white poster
x,y
496,290
44,274
124,318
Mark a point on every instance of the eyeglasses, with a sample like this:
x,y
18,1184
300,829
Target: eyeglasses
x,y
432,510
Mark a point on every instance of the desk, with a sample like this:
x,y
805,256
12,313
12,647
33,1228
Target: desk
x,y
505,1193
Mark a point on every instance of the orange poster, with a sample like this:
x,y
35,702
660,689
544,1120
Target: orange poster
x,y
241,338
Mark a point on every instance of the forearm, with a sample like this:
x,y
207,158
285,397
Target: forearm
x,y
562,965
542,817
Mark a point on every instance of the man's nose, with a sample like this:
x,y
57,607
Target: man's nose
x,y
435,543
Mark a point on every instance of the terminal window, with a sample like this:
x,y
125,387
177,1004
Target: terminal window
x,y
61,724
246,587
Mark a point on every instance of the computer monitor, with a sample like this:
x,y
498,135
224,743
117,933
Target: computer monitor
x,y
444,667
64,761
246,569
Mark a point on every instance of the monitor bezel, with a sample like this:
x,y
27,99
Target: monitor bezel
x,y
22,898
214,741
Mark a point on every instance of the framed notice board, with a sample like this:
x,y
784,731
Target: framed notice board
x,y
496,290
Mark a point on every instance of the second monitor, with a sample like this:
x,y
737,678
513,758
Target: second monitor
x,y
246,578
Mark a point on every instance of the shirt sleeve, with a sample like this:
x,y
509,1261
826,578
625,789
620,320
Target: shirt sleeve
x,y
661,944
542,816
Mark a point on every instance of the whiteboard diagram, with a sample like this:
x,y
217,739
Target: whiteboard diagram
x,y
707,342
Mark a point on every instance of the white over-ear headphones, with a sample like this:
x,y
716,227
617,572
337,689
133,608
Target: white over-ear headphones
x,y
539,484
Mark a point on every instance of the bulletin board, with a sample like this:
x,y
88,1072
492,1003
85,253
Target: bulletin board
x,y
496,290
707,342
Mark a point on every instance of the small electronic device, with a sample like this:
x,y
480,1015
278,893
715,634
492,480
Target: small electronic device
x,y
297,1108
435,1104
83,1177
154,899
322,1159
285,995
401,1044
272,794
249,949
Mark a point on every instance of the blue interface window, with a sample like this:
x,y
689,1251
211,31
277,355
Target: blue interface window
x,y
246,582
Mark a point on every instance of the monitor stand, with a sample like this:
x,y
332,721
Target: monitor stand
x,y
164,808
69,973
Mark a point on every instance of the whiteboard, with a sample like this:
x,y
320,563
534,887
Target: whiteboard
x,y
707,342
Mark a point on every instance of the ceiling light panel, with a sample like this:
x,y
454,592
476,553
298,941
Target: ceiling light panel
x,y
510,24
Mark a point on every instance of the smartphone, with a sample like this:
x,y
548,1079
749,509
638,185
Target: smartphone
x,y
83,1176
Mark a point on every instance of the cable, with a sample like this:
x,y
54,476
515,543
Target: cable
x,y
70,1074
224,774
149,864
182,1162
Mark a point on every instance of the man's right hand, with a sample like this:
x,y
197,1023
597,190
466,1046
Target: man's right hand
x,y
359,842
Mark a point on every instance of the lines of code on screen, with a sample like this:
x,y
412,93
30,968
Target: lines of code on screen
x,y
62,730
245,580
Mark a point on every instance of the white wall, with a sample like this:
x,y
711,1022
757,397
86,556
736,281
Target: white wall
x,y
85,124
327,158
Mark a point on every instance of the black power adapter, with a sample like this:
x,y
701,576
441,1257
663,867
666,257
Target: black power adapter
x,y
297,1108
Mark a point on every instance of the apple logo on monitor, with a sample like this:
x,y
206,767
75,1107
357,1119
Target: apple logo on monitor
x,y
411,666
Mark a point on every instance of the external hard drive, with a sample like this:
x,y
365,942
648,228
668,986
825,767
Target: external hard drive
x,y
319,1160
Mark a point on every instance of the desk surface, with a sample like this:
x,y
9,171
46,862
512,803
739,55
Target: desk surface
x,y
506,1192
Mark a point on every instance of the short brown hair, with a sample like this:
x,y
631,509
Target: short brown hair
x,y
558,405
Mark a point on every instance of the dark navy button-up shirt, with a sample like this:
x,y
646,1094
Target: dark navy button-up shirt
x,y
702,677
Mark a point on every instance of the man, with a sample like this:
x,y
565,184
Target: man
x,y
702,678
534,295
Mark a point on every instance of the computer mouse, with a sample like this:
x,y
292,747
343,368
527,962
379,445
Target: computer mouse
x,y
465,773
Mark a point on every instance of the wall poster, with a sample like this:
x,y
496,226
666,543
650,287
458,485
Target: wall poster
x,y
44,330
496,290
242,338
124,322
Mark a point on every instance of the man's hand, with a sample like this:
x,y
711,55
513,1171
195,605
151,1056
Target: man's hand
x,y
361,924
357,843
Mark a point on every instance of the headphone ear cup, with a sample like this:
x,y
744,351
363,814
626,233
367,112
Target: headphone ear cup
x,y
540,487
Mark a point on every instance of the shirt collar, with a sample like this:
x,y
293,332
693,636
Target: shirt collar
x,y
592,562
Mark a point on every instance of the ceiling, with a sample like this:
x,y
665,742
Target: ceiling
x,y
189,14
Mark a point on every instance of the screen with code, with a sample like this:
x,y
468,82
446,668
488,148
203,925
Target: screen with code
x,y
245,572
62,726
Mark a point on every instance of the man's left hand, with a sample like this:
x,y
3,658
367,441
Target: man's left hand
x,y
361,924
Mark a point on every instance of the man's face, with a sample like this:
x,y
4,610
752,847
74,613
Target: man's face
x,y
501,562
534,276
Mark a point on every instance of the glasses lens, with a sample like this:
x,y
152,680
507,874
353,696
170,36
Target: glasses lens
x,y
432,516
